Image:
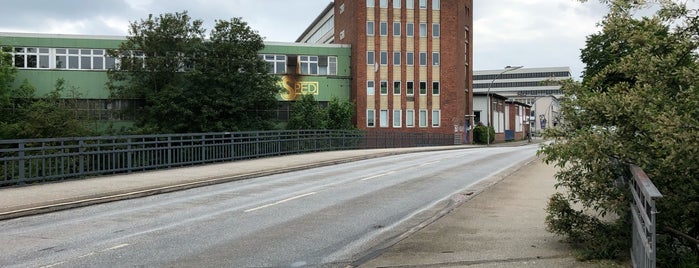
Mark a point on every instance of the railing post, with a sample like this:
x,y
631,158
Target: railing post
x,y
643,210
81,157
129,153
169,150
21,162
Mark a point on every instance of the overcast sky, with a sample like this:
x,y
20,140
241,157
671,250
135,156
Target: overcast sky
x,y
533,33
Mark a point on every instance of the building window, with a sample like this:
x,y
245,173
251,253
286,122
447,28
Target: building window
x,y
435,30
410,118
383,3
309,64
435,118
384,88
423,29
435,4
383,118
409,29
370,118
397,114
396,58
410,4
396,87
396,3
435,88
370,28
276,64
396,29
423,118
30,57
435,58
423,58
384,58
383,30
410,58
410,88
332,65
370,58
369,3
423,88
423,4
370,87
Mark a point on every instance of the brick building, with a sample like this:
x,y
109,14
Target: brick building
x,y
411,63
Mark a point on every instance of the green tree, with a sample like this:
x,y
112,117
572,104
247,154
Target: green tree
x,y
192,85
7,76
637,105
307,114
339,114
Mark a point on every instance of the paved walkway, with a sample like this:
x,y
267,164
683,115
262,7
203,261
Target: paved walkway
x,y
502,226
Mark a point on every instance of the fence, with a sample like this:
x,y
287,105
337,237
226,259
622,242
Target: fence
x,y
36,160
643,212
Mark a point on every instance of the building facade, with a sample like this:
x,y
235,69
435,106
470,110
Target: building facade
x,y
411,62
82,62
538,87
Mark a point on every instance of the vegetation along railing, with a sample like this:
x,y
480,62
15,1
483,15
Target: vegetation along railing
x,y
37,160
643,212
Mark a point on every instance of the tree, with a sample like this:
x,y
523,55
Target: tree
x,y
339,114
637,105
7,76
307,114
192,85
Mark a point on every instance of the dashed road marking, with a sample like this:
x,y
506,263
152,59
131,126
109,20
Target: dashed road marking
x,y
280,202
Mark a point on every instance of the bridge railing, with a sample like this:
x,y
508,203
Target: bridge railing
x,y
36,160
643,210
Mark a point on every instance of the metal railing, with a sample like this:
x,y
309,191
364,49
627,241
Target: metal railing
x,y
643,210
37,160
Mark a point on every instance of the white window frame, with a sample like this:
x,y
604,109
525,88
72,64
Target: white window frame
x,y
383,58
332,65
435,5
423,59
399,88
397,119
410,118
421,88
396,30
274,60
383,3
408,90
423,29
435,59
370,28
370,87
370,57
383,84
422,117
370,3
410,58
396,3
310,61
396,58
436,118
410,29
436,30
383,28
439,89
370,118
423,4
383,118
410,4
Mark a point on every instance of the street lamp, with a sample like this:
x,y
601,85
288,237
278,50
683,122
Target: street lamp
x,y
487,96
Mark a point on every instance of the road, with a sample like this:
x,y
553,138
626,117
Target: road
x,y
327,217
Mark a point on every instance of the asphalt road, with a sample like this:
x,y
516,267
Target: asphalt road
x,y
327,217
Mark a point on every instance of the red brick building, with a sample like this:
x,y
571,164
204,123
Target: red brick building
x,y
411,62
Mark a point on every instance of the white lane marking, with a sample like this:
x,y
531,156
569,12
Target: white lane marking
x,y
86,255
430,163
52,265
280,202
114,247
377,176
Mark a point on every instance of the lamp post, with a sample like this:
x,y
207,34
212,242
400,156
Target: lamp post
x,y
487,97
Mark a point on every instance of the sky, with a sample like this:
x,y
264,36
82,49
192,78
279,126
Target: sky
x,y
531,33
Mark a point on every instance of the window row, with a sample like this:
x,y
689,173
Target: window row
x,y
397,59
60,58
516,84
397,29
522,75
398,89
309,65
397,118
409,4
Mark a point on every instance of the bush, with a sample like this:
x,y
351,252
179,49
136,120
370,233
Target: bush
x,y
480,135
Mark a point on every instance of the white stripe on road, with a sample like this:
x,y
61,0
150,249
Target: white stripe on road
x,y
280,202
429,163
377,176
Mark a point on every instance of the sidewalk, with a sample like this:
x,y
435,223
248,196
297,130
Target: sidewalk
x,y
502,226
